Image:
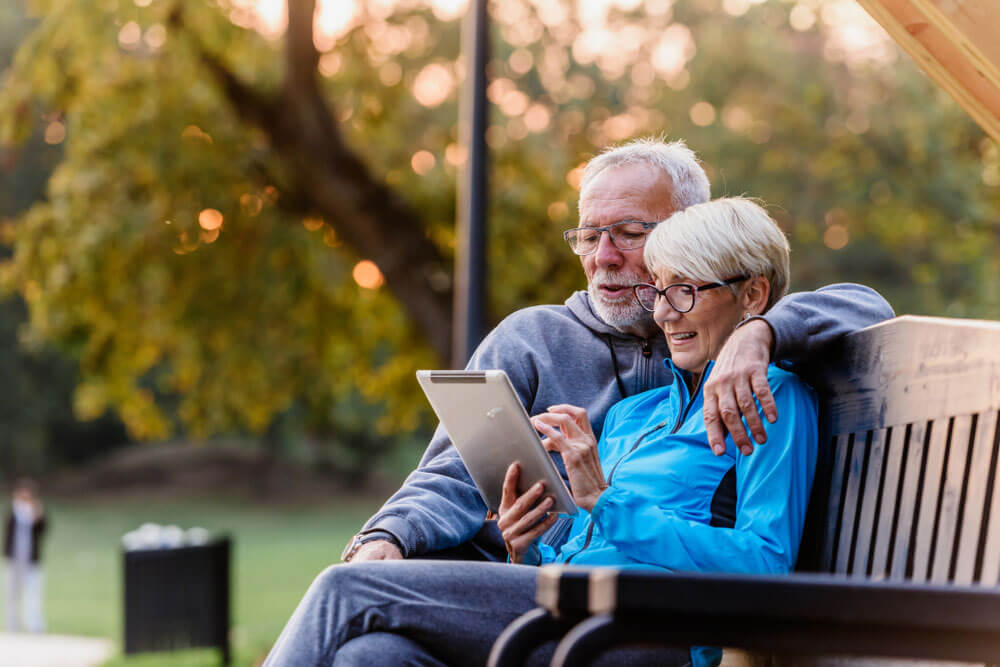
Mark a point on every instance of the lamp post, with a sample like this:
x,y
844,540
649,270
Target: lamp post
x,y
470,249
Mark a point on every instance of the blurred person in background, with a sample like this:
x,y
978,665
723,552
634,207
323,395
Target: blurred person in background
x,y
22,544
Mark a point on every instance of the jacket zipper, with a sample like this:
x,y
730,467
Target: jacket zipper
x,y
590,530
682,415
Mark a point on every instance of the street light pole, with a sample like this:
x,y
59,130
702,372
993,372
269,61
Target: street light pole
x,y
470,249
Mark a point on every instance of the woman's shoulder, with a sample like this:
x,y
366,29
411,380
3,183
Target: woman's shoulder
x,y
644,403
784,381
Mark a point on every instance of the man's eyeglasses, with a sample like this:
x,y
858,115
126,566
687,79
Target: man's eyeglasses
x,y
680,296
625,235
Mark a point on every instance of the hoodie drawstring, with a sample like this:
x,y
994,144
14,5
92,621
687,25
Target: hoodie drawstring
x,y
614,363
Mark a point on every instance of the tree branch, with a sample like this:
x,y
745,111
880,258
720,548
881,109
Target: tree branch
x,y
332,180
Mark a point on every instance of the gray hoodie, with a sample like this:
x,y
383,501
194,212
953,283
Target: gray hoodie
x,y
567,354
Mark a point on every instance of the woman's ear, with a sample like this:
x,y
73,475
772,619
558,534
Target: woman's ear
x,y
755,295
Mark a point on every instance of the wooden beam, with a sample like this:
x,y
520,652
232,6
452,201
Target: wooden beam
x,y
954,41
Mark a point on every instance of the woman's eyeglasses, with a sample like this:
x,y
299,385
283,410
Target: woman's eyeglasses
x,y
680,296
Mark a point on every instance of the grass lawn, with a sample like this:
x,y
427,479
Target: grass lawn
x,y
277,552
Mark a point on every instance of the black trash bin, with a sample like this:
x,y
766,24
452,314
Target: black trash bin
x,y
178,598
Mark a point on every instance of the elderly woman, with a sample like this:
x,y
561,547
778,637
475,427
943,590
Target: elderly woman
x,y
652,493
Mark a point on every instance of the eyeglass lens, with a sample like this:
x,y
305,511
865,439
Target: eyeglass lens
x,y
680,297
624,235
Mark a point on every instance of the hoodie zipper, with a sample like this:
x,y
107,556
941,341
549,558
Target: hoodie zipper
x,y
590,530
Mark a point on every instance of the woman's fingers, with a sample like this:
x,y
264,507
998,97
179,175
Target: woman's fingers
x,y
512,513
576,412
510,486
518,545
580,445
536,531
524,525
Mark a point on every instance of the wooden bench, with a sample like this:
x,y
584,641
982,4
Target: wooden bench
x,y
901,554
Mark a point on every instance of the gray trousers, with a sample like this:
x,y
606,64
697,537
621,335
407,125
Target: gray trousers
x,y
418,612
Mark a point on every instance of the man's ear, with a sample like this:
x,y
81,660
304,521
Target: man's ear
x,y
755,295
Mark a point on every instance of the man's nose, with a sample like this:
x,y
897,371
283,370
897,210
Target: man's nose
x,y
607,254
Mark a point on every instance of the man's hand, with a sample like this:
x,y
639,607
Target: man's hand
x,y
376,550
739,374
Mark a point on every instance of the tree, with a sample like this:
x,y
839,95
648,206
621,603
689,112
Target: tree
x,y
203,246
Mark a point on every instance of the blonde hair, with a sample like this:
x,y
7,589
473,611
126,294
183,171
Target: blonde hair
x,y
688,181
721,239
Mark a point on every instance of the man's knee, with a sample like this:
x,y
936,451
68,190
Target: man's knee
x,y
347,581
384,648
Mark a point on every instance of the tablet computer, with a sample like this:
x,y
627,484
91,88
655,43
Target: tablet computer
x,y
490,430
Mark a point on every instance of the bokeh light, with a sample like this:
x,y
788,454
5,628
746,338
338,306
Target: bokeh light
x,y
367,275
210,219
422,162
156,36
433,85
129,35
702,114
55,132
835,237
537,118
558,210
802,17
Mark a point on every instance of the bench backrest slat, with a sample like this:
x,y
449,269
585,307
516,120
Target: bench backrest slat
x,y
930,499
911,460
835,494
910,415
884,531
988,560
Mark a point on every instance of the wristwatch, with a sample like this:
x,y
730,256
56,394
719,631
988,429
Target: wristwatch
x,y
362,538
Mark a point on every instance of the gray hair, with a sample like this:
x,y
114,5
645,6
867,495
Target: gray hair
x,y
688,181
721,239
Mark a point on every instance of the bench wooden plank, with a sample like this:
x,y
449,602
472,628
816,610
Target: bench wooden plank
x,y
990,570
905,525
871,499
888,508
912,369
927,499
838,477
974,504
849,513
956,461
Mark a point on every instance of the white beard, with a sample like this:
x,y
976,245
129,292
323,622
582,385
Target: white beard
x,y
623,313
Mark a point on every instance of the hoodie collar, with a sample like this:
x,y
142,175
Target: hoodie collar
x,y
579,304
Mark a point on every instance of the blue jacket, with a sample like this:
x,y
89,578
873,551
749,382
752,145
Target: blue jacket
x,y
673,504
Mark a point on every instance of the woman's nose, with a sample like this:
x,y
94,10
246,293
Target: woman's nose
x,y
663,311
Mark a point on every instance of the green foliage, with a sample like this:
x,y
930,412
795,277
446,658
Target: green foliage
x,y
175,328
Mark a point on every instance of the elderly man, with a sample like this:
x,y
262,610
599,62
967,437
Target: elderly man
x,y
601,346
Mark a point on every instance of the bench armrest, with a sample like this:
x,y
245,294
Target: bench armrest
x,y
799,613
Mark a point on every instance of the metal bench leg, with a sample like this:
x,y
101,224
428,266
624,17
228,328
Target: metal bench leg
x,y
585,641
526,633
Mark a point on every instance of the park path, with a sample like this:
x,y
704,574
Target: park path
x,y
41,650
